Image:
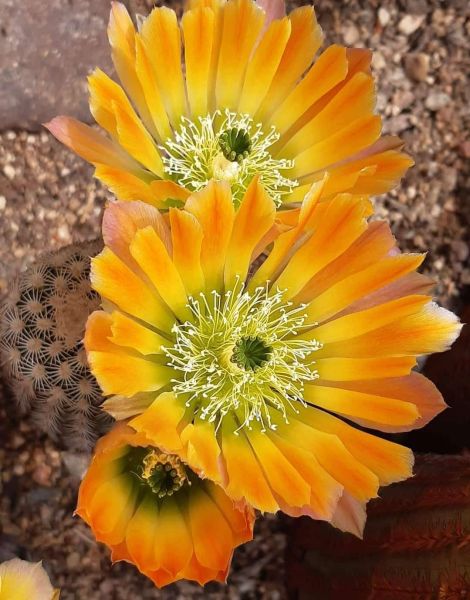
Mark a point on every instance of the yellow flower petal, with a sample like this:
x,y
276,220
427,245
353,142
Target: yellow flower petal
x,y
141,535
125,374
340,295
245,476
121,35
346,217
135,138
205,518
328,70
173,545
358,323
263,65
198,27
347,369
375,243
152,257
389,461
284,480
151,90
242,22
213,208
377,409
130,333
305,39
431,329
334,457
324,490
162,421
354,137
253,220
107,275
187,237
125,185
355,100
162,40
202,451
22,580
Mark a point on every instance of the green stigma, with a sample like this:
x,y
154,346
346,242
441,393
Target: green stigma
x,y
163,473
235,144
251,353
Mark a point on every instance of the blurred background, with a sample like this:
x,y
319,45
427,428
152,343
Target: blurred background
x,y
48,199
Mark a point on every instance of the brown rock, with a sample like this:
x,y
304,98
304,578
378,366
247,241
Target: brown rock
x,y
465,149
42,475
46,51
410,23
437,100
417,66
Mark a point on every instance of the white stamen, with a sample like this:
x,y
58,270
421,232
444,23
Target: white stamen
x,y
193,157
203,352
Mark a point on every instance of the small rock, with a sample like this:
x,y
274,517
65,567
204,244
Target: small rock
x,y
3,202
106,587
449,205
378,61
9,172
403,99
438,264
45,513
384,16
461,249
417,66
18,470
410,23
351,35
73,560
17,441
63,232
399,123
449,178
466,277
42,475
418,7
464,149
437,100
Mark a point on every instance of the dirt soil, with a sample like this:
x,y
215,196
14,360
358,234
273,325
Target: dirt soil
x,y
48,199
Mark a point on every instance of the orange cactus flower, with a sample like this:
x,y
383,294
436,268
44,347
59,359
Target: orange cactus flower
x,y
255,374
23,580
154,512
231,91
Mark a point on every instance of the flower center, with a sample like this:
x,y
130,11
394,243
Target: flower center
x,y
235,144
163,473
251,353
227,146
240,354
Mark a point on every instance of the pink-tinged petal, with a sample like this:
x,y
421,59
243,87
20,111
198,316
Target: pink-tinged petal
x,y
89,144
274,9
350,515
122,220
414,388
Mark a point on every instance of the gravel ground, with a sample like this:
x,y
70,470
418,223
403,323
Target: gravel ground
x,y
48,199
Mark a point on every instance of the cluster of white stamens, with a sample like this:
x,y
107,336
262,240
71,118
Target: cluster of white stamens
x,y
194,156
205,347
